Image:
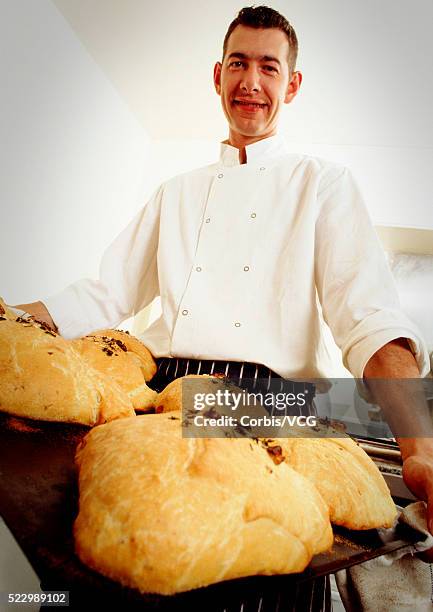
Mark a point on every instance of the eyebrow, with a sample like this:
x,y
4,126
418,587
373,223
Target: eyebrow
x,y
263,58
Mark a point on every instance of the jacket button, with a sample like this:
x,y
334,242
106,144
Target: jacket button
x,y
253,215
246,268
237,324
184,312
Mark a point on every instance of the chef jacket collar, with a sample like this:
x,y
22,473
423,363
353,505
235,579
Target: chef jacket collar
x,y
258,152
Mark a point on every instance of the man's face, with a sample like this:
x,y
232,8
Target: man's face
x,y
253,82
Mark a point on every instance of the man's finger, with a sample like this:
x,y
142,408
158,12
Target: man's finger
x,y
427,555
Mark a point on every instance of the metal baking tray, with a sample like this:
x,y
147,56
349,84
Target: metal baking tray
x,y
38,502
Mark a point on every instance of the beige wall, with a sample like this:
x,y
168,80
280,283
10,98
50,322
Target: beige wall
x,y
406,240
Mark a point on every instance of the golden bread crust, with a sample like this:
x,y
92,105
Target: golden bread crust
x,y
111,357
170,398
134,346
166,514
348,480
86,381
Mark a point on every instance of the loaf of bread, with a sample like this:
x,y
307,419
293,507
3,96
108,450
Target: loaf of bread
x,y
166,514
6,313
124,360
87,381
348,480
180,393
131,345
170,398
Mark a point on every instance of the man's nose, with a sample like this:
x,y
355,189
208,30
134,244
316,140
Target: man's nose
x,y
250,80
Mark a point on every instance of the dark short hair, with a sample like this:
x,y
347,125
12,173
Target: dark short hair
x,y
265,17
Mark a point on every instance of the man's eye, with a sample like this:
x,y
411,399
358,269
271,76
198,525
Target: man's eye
x,y
236,64
270,68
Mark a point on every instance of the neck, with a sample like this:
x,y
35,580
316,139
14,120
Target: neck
x,y
240,142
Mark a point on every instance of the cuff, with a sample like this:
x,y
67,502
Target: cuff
x,y
365,342
68,315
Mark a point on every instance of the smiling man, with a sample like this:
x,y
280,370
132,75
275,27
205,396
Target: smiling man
x,y
246,254
255,79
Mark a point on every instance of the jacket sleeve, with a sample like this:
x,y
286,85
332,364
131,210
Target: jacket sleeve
x,y
354,283
128,279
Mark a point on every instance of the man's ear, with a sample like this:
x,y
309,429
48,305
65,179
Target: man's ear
x,y
217,77
293,87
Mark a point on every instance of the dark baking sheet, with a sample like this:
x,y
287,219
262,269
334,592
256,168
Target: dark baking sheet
x,y
38,501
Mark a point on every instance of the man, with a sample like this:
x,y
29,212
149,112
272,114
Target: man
x,y
238,251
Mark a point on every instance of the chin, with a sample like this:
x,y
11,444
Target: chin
x,y
250,130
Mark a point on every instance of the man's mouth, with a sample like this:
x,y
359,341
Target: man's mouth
x,y
249,104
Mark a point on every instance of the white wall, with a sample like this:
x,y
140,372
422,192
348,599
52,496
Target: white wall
x,y
73,157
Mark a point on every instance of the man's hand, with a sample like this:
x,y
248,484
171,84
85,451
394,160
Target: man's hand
x,y
405,409
39,311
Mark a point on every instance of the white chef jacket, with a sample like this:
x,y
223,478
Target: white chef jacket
x,y
243,258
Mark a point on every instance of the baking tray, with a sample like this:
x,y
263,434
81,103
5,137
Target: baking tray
x,y
38,502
